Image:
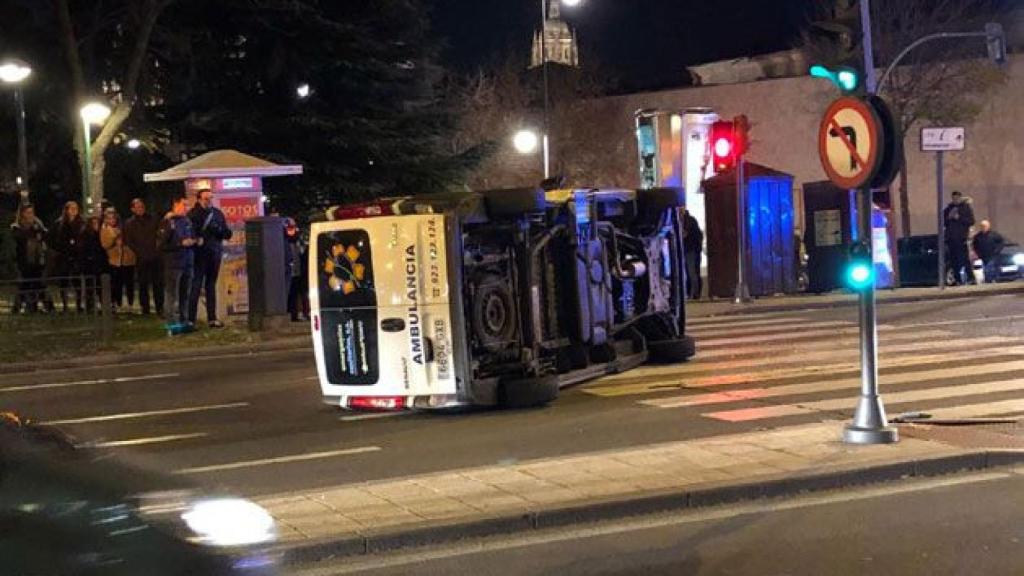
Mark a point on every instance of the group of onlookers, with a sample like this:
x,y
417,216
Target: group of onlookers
x,y
170,260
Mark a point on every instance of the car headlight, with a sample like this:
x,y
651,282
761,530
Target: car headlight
x,y
1018,259
229,522
220,521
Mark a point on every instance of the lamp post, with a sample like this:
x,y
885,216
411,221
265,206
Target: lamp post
x,y
544,64
14,72
92,113
525,141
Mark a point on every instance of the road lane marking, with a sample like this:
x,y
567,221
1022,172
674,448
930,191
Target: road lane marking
x,y
941,393
792,335
151,413
88,382
765,322
149,440
963,321
698,365
823,344
278,460
185,359
741,317
778,328
826,371
829,385
1003,408
358,417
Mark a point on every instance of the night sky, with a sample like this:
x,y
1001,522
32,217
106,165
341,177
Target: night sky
x,y
644,43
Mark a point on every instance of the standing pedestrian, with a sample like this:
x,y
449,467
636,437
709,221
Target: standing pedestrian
x,y
987,244
94,261
693,243
140,233
30,256
120,258
211,229
958,217
177,243
295,253
67,245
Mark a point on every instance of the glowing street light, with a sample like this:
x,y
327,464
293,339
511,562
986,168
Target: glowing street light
x,y
525,141
134,143
571,3
14,73
91,113
303,91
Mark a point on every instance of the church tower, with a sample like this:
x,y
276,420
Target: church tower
x,y
558,43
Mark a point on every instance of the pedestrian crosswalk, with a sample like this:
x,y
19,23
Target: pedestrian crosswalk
x,y
769,367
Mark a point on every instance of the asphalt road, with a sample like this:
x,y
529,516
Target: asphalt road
x,y
955,525
254,424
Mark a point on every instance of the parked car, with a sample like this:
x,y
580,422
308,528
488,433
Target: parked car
x,y
919,262
497,297
68,509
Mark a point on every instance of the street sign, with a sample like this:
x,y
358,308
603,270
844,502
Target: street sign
x,y
943,139
850,142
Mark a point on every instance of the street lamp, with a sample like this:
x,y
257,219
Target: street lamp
x,y
525,141
544,64
92,113
134,144
14,72
303,91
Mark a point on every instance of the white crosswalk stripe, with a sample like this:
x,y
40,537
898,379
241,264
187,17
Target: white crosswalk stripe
x,y
771,368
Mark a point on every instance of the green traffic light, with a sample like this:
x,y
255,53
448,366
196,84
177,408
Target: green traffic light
x,y
860,275
845,78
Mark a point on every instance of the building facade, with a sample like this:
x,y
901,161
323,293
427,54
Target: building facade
x,y
556,41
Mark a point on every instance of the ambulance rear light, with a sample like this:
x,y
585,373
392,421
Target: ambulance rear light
x,y
376,402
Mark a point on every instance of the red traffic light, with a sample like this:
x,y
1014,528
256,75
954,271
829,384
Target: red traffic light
x,y
723,145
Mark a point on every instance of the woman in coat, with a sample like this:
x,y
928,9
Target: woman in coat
x,y
30,248
120,258
66,244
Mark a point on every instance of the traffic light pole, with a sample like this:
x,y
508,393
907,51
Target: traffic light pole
x,y
869,424
742,292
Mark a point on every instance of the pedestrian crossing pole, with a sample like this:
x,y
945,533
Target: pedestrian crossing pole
x,y
869,424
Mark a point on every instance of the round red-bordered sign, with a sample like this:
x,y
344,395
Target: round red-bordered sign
x,y
850,141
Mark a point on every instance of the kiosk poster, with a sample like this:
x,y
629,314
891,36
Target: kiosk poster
x,y
233,285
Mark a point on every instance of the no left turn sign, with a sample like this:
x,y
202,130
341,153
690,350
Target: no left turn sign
x,y
850,141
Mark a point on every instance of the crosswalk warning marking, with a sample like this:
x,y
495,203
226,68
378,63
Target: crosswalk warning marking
x,y
788,328
824,344
793,335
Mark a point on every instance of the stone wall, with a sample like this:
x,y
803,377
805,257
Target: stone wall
x,y
595,144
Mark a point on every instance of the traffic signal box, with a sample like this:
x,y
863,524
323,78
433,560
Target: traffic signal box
x,y
860,268
729,141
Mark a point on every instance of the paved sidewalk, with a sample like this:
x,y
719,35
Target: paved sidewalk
x,y
358,518
725,307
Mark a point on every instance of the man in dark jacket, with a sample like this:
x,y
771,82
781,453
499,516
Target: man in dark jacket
x,y
30,255
693,242
987,244
212,230
177,243
958,217
140,232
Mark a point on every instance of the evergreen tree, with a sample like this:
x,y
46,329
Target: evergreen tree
x,y
372,122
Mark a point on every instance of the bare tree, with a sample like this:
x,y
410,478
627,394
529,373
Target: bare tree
x,y
945,82
121,30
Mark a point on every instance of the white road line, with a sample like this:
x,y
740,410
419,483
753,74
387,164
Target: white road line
x,y
150,440
739,317
804,357
278,460
358,417
776,328
88,382
915,396
825,371
1004,408
789,335
963,321
746,323
184,359
823,344
888,381
151,413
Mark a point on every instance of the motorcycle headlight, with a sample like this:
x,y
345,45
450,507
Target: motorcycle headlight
x,y
1018,259
229,522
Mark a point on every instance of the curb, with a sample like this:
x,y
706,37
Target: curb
x,y
658,502
740,309
99,361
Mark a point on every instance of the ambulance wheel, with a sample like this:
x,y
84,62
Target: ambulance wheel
x,y
513,202
672,351
528,392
